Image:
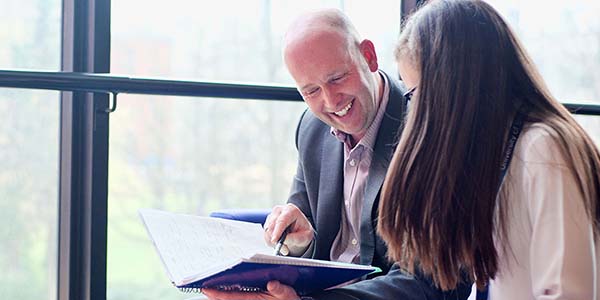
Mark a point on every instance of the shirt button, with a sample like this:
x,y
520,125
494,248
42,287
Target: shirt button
x,y
352,162
354,242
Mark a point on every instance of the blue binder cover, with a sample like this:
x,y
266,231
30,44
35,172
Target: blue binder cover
x,y
253,277
200,252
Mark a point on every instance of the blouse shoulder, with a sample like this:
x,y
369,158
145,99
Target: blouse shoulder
x,y
539,143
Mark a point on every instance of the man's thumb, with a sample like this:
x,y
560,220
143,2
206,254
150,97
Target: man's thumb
x,y
281,291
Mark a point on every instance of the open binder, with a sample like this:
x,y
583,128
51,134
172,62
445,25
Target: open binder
x,y
202,252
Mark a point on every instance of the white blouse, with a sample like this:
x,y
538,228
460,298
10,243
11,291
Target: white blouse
x,y
551,251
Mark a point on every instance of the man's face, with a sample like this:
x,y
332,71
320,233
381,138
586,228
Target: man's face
x,y
335,81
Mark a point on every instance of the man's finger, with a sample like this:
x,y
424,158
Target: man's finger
x,y
285,251
270,224
272,216
281,224
281,291
222,295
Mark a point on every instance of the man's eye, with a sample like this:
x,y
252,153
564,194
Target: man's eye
x,y
312,92
338,78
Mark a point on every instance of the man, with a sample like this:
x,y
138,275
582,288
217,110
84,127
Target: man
x,y
345,142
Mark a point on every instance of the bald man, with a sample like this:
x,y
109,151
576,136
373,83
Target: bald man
x,y
345,142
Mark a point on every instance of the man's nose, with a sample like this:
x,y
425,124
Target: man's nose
x,y
330,97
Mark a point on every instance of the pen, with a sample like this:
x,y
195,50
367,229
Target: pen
x,y
280,241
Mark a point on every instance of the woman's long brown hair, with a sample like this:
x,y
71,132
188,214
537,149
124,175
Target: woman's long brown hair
x,y
439,208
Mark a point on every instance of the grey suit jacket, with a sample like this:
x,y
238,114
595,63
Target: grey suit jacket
x,y
317,190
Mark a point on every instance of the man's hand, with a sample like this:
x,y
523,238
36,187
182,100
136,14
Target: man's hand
x,y
300,234
275,291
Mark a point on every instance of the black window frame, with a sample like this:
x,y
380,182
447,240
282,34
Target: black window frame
x,y
83,171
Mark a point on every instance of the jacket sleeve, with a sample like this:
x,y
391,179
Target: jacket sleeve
x,y
298,192
396,284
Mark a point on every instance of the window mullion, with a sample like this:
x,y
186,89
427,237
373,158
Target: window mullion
x,y
83,185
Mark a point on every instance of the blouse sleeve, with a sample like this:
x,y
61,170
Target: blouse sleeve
x,y
562,250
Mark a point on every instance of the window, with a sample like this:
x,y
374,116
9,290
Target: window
x,y
189,39
564,42
30,34
28,194
191,156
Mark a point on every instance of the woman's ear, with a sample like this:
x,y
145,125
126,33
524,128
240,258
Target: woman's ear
x,y
367,49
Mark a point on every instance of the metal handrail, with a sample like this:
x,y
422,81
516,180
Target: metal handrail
x,y
107,83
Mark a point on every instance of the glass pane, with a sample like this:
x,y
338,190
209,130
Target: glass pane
x,y
563,37
192,156
30,35
191,39
592,125
28,194
30,31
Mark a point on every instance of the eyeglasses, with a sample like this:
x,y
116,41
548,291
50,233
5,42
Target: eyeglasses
x,y
408,95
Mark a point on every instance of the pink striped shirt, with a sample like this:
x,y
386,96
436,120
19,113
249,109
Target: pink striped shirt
x,y
357,161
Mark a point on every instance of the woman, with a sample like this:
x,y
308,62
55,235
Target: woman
x,y
477,102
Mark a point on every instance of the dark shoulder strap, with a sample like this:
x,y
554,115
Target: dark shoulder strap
x,y
513,136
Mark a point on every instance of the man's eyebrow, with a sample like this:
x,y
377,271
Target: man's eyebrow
x,y
328,78
336,74
306,86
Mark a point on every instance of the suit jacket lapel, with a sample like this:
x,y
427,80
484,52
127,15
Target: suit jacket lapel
x,y
382,154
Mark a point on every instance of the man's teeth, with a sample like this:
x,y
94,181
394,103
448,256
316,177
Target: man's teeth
x,y
344,110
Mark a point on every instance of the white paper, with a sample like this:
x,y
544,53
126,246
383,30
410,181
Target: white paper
x,y
193,246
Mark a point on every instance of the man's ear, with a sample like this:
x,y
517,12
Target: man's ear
x,y
367,49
